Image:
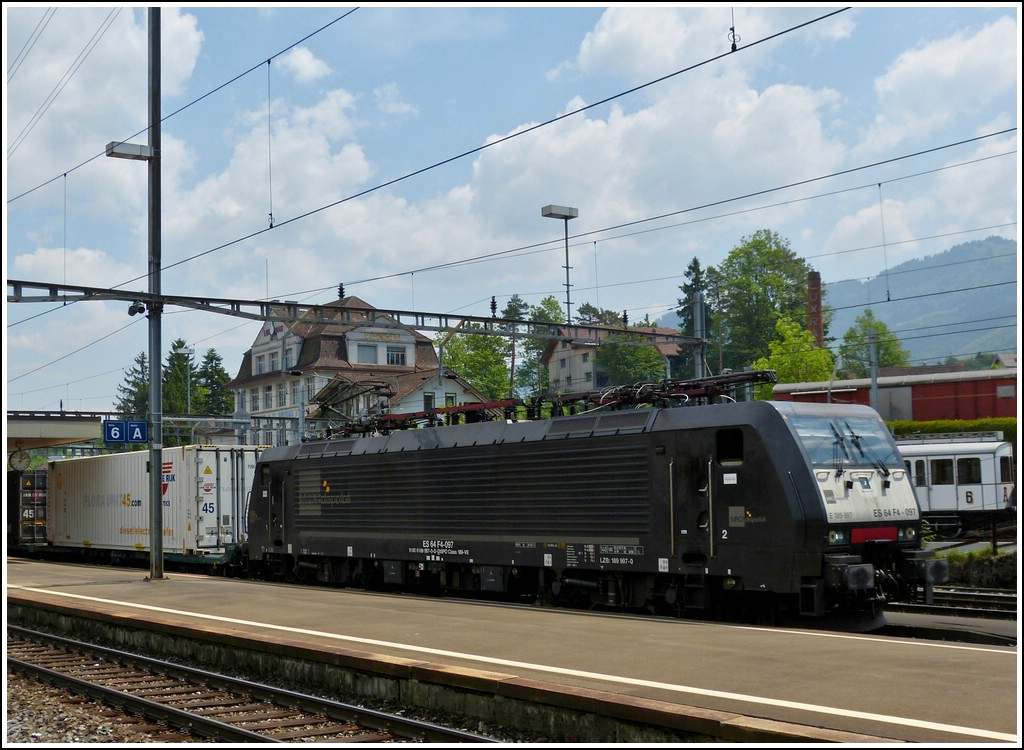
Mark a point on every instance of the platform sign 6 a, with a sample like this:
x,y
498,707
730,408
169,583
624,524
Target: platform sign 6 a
x,y
125,431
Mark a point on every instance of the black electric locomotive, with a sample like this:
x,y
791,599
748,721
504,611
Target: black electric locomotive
x,y
724,510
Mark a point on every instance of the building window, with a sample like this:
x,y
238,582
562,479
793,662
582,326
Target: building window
x,y
282,395
568,380
260,365
396,355
310,388
241,400
366,354
561,363
295,391
273,361
450,399
586,356
555,383
287,358
255,399
268,397
428,401
588,376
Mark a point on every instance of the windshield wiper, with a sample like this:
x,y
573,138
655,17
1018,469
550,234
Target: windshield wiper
x,y
838,444
869,454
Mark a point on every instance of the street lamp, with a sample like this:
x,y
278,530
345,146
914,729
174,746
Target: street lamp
x,y
565,213
189,352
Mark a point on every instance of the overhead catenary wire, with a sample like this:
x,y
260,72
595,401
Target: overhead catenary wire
x,y
65,79
409,272
30,43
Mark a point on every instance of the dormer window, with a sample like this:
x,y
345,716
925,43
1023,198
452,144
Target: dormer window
x,y
367,354
396,355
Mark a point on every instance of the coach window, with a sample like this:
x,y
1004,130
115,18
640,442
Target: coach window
x,y
942,471
1005,469
919,476
729,446
968,471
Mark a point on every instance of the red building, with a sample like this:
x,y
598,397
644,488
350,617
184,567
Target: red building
x,y
973,394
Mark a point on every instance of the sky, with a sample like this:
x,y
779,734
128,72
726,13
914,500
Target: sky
x,y
410,151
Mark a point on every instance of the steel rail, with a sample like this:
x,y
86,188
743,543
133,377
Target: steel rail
x,y
400,726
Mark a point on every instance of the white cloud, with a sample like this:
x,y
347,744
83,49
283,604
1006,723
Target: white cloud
x,y
304,65
389,101
928,87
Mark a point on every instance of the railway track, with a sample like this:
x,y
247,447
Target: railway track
x,y
956,601
182,703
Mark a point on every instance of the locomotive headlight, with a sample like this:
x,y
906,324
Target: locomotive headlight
x,y
908,534
837,536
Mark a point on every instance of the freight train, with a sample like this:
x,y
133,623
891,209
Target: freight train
x,y
963,481
97,508
758,511
729,511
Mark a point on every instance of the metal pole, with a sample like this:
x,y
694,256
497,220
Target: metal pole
x,y
873,361
568,310
156,522
698,333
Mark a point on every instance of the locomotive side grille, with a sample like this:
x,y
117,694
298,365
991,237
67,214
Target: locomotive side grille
x,y
575,487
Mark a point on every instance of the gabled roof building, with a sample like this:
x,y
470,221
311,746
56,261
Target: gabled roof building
x,y
311,377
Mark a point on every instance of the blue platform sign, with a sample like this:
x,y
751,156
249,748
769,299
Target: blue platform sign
x,y
121,431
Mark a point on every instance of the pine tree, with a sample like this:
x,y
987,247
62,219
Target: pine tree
x,y
133,394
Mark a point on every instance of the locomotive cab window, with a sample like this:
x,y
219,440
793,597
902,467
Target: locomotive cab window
x,y
729,447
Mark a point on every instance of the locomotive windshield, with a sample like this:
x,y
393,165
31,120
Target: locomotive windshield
x,y
845,442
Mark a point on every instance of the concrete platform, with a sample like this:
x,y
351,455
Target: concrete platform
x,y
705,681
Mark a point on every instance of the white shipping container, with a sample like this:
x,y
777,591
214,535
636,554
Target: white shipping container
x,y
102,502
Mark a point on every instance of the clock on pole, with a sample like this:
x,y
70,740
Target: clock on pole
x,y
20,460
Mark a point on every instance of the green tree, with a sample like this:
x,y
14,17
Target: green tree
x,y
589,315
209,396
516,309
795,357
531,376
856,347
480,359
133,394
760,281
624,364
178,378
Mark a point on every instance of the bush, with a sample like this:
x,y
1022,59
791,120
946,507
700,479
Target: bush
x,y
983,569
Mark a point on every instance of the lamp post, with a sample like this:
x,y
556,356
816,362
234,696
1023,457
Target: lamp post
x,y
189,352
151,154
565,213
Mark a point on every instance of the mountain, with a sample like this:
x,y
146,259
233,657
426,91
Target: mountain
x,y
914,300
